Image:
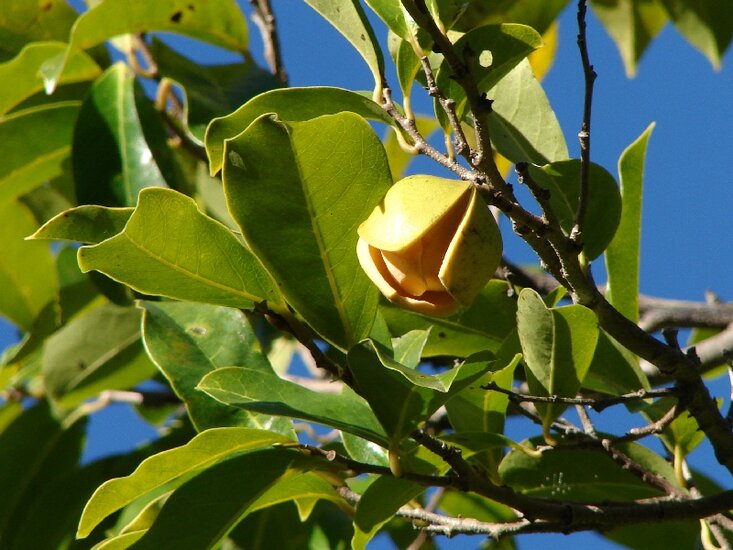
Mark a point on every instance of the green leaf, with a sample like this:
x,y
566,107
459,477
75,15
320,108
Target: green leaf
x,y
497,49
632,24
379,504
27,274
219,22
187,341
259,391
348,17
399,159
290,104
623,254
23,69
539,14
36,143
683,434
35,451
614,369
562,180
207,448
97,351
200,513
558,346
401,397
408,348
23,22
364,451
706,24
333,171
583,474
467,333
211,90
523,125
88,223
406,63
169,248
305,489
119,142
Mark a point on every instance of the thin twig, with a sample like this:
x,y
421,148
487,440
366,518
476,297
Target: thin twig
x,y
589,75
654,428
264,18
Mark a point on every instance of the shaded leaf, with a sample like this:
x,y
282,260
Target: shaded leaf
x,y
119,143
624,251
23,22
562,179
169,248
89,223
614,370
207,448
379,504
632,24
97,351
290,104
187,341
255,390
469,332
333,171
23,69
706,24
27,275
400,397
36,143
536,13
218,22
305,489
348,17
523,125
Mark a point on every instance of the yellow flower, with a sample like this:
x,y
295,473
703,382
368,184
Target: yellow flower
x,y
431,245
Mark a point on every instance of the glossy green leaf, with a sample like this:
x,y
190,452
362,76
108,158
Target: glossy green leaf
x,y
408,348
396,18
267,393
706,24
632,24
401,397
583,474
98,351
36,143
290,104
406,63
333,171
379,504
27,275
23,22
187,341
558,346
218,22
119,142
469,332
523,125
23,69
89,224
614,370
623,254
497,49
200,513
207,448
348,17
35,451
211,90
364,451
169,248
562,179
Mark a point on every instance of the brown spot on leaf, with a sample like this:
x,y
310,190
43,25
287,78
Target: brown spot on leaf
x,y
176,17
46,6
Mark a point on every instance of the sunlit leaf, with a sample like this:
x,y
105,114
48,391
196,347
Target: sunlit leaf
x,y
290,104
623,253
333,172
170,248
23,22
36,144
89,224
187,341
259,391
207,448
536,13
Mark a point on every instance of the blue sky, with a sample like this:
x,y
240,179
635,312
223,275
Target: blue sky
x,y
687,234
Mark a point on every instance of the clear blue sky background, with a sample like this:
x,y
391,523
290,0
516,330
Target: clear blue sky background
x,y
687,234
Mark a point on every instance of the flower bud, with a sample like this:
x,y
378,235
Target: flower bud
x,y
431,245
